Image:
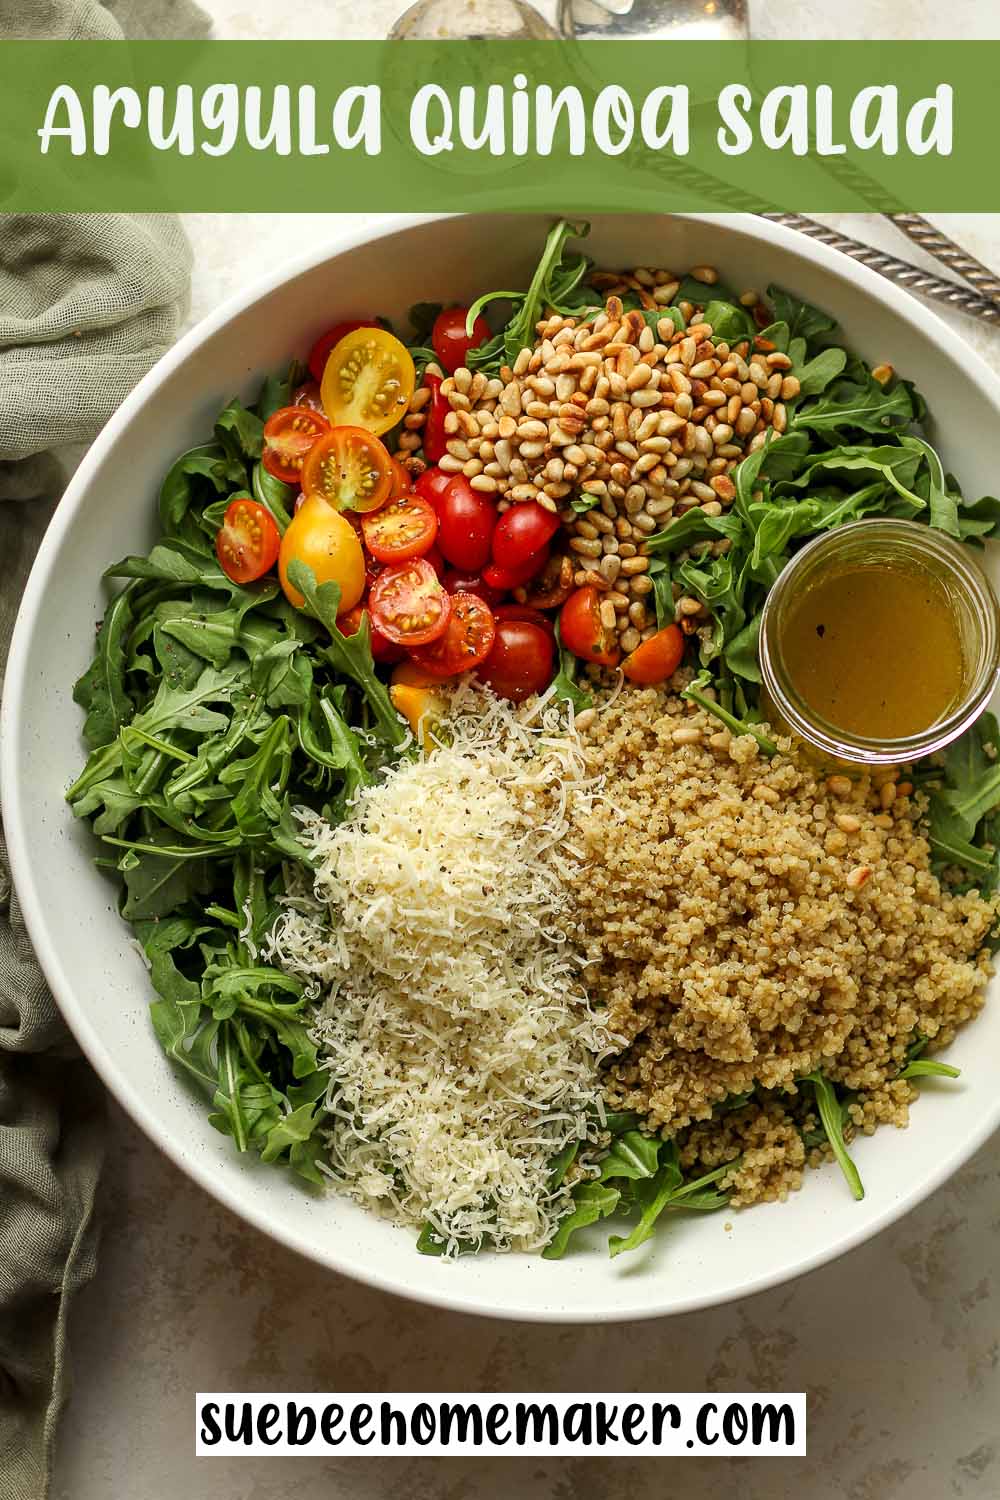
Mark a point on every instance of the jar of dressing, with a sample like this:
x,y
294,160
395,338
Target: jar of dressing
x,y
880,642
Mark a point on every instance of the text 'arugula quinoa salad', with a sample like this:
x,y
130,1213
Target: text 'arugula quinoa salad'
x,y
477,876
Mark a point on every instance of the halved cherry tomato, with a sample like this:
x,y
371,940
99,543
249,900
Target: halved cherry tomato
x,y
383,649
515,578
247,542
307,394
521,532
349,469
526,613
321,350
467,522
521,660
433,438
467,641
408,603
432,484
290,435
656,659
450,340
368,380
327,541
402,480
404,528
471,583
581,629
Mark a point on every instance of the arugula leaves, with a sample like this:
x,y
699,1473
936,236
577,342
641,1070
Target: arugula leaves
x,y
639,1176
212,711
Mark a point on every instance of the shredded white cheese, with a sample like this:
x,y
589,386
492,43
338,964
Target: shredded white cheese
x,y
462,1048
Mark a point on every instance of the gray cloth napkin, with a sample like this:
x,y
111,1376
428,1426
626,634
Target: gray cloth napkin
x,y
87,304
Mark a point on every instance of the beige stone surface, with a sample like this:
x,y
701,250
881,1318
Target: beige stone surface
x,y
898,1344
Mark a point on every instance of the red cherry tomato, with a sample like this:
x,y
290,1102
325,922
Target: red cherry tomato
x,y
526,613
320,351
466,643
408,603
515,578
432,484
468,519
290,435
521,532
471,583
434,439
581,629
404,528
450,340
437,562
383,649
402,480
521,660
247,542
307,394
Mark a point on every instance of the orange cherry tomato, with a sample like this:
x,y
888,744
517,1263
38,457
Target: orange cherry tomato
x,y
467,641
325,540
382,648
349,469
581,629
289,437
656,659
402,480
404,528
368,380
408,603
247,542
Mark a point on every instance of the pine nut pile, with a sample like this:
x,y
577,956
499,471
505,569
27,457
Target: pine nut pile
x,y
642,422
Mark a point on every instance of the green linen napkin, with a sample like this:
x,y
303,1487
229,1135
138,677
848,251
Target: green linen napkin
x,y
87,304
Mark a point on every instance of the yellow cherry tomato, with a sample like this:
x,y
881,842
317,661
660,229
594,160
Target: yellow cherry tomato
x,y
368,381
416,696
320,537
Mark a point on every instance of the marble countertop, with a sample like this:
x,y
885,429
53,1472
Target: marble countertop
x,y
898,1344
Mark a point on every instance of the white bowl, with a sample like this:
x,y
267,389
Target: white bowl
x,y
70,908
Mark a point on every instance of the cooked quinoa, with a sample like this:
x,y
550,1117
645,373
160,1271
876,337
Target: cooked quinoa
x,y
747,921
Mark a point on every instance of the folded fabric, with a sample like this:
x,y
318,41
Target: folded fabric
x,y
87,304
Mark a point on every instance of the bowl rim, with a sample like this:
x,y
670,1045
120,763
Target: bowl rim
x,y
900,304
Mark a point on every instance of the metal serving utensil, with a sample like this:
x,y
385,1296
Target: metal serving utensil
x,y
486,20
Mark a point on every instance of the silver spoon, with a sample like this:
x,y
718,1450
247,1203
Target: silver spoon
x,y
488,20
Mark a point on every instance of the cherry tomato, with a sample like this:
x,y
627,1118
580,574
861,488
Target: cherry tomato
x,y
329,544
437,562
408,603
404,528
289,437
432,484
433,438
521,532
324,345
656,659
368,381
526,613
471,583
467,521
515,578
466,642
402,480
383,649
521,660
581,629
247,542
349,469
307,394
553,585
450,340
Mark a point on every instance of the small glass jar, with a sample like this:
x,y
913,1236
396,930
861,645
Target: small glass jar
x,y
892,544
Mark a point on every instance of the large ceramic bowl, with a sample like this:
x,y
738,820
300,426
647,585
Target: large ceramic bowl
x,y
69,906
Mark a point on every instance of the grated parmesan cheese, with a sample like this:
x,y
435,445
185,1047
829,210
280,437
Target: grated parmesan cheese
x,y
462,1048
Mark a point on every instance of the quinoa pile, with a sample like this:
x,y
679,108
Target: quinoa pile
x,y
748,921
